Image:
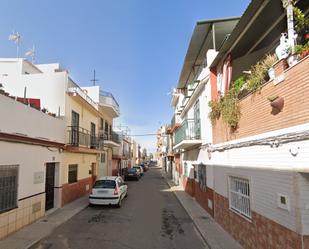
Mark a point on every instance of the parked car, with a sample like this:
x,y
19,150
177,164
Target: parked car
x,y
108,190
133,173
144,166
140,168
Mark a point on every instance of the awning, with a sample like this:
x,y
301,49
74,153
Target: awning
x,y
202,39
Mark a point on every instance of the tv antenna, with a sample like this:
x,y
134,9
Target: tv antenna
x,y
15,37
31,53
94,80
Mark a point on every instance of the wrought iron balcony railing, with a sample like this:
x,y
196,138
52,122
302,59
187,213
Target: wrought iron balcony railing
x,y
79,136
114,137
74,88
108,99
189,130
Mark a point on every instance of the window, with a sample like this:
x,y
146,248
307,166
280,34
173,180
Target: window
x,y
72,176
106,128
202,176
240,196
101,123
103,158
8,187
111,184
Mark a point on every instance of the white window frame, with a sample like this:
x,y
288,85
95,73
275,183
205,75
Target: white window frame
x,y
239,196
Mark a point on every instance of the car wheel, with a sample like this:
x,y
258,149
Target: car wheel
x,y
90,205
119,203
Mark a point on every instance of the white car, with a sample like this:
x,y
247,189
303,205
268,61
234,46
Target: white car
x,y
108,190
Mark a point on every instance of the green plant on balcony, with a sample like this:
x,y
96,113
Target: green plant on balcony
x,y
302,50
215,112
230,108
259,74
302,24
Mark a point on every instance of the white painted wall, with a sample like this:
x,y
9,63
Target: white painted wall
x,y
265,185
265,157
23,119
50,86
30,159
93,92
304,201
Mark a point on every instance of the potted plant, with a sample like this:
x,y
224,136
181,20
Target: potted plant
x,y
276,102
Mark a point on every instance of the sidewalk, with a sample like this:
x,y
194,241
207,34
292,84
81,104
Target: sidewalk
x,y
31,234
214,235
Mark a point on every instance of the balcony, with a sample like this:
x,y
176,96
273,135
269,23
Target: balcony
x,y
81,140
75,91
188,135
175,123
109,105
110,140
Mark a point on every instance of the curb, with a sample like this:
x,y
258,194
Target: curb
x,y
37,241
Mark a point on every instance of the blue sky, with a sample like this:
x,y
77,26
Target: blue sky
x,y
136,46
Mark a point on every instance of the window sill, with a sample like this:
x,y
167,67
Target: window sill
x,y
8,210
71,183
249,219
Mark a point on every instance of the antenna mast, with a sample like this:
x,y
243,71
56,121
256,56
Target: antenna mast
x,y
94,80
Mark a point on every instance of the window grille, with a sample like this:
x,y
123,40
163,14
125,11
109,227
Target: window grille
x,y
103,158
240,196
72,175
8,187
202,176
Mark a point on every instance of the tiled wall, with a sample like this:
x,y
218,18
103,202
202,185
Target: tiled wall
x,y
71,192
204,198
257,233
28,211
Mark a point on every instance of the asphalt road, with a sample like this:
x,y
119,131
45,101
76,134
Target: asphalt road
x,y
150,218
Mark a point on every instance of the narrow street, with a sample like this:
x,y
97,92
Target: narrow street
x,y
150,217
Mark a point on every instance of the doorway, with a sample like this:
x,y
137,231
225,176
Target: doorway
x,y
49,186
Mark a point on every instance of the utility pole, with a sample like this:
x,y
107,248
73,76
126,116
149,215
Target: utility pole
x,y
94,80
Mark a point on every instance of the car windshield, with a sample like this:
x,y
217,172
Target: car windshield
x,y
105,184
136,167
132,170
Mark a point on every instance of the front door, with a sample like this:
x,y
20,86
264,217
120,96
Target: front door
x,y
49,185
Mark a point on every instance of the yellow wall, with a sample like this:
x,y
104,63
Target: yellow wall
x,y
84,162
86,116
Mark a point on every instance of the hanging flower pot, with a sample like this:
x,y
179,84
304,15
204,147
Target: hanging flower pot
x,y
276,102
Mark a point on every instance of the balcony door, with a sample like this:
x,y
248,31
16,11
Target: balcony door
x,y
197,122
92,136
75,128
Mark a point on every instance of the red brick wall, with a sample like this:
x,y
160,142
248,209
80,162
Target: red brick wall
x,y
259,233
115,167
213,83
202,197
306,241
256,117
188,185
73,191
178,164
